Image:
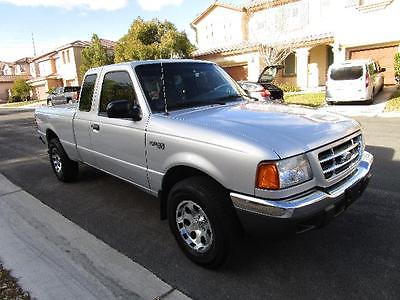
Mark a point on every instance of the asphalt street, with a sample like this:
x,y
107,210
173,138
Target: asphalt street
x,y
356,256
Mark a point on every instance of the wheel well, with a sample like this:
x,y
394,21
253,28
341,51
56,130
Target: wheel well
x,y
173,176
50,134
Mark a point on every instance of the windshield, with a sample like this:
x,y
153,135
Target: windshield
x,y
347,73
186,85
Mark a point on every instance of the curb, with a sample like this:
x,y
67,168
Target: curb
x,y
54,258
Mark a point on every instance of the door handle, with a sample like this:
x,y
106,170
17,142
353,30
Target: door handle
x,y
95,127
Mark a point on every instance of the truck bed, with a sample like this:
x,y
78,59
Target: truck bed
x,y
58,119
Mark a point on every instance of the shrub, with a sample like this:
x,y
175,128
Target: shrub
x,y
397,64
286,87
20,91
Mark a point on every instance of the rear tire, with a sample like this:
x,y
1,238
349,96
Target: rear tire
x,y
66,170
202,220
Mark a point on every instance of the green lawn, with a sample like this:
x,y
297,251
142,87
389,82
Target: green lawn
x,y
22,103
393,103
308,99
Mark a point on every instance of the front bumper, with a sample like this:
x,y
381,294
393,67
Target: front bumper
x,y
306,211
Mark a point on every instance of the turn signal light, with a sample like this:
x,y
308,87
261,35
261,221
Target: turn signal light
x,y
267,176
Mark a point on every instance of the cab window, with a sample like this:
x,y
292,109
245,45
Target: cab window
x,y
85,102
117,85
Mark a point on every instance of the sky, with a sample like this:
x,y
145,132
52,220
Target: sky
x,y
57,22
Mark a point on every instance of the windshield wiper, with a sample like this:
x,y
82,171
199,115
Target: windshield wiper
x,y
221,100
194,104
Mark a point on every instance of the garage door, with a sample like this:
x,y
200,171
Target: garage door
x,y
384,55
237,72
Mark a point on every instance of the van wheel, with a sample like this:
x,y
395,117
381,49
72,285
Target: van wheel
x,y
202,220
65,169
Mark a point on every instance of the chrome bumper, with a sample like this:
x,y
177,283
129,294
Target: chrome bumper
x,y
308,205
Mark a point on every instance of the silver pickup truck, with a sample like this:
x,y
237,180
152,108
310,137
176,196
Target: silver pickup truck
x,y
220,164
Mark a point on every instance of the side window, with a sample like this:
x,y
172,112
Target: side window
x,y
85,102
117,85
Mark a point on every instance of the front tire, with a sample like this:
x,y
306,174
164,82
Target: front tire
x,y
202,220
65,169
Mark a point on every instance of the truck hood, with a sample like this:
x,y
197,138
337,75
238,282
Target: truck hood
x,y
283,129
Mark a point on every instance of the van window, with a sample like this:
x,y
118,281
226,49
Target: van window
x,y
347,73
85,101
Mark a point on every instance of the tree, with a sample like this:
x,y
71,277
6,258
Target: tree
x,y
397,64
269,33
20,91
95,55
152,40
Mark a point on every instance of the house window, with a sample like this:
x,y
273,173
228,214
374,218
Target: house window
x,y
63,57
68,57
290,65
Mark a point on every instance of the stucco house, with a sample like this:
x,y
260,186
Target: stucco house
x,y
324,31
59,67
11,71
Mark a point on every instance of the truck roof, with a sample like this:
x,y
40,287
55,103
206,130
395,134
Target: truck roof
x,y
135,63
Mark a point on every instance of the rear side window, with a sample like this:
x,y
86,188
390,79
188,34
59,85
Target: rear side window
x,y
85,102
116,86
347,73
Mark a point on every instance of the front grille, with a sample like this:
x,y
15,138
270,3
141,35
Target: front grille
x,y
342,157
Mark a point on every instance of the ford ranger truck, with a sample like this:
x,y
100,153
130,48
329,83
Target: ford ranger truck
x,y
184,131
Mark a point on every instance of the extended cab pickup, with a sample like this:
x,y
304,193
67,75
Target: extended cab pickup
x,y
184,131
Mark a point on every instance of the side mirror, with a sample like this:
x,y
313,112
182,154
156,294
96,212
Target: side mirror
x,y
383,70
123,109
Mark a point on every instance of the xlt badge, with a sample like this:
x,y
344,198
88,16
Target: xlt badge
x,y
159,145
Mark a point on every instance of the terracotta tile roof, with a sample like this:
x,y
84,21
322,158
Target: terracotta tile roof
x,y
212,6
261,4
11,78
300,41
24,60
78,43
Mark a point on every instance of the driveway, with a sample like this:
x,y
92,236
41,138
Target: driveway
x,y
355,257
357,109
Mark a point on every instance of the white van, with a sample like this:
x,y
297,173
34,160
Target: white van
x,y
354,80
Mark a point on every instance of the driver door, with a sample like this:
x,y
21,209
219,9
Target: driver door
x,y
119,143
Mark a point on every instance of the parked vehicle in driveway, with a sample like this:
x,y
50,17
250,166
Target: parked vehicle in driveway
x,y
354,80
182,130
255,91
63,95
265,80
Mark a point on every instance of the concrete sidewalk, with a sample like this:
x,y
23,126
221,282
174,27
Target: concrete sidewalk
x,y
55,259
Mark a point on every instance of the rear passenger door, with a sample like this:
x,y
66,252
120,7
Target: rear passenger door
x,y
119,143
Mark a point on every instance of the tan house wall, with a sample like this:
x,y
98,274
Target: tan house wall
x,y
318,55
4,87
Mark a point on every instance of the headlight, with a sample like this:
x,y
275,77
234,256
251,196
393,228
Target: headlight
x,y
283,173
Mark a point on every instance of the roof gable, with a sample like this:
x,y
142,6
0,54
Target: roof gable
x,y
209,9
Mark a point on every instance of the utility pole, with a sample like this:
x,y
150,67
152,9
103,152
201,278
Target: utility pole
x,y
33,44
